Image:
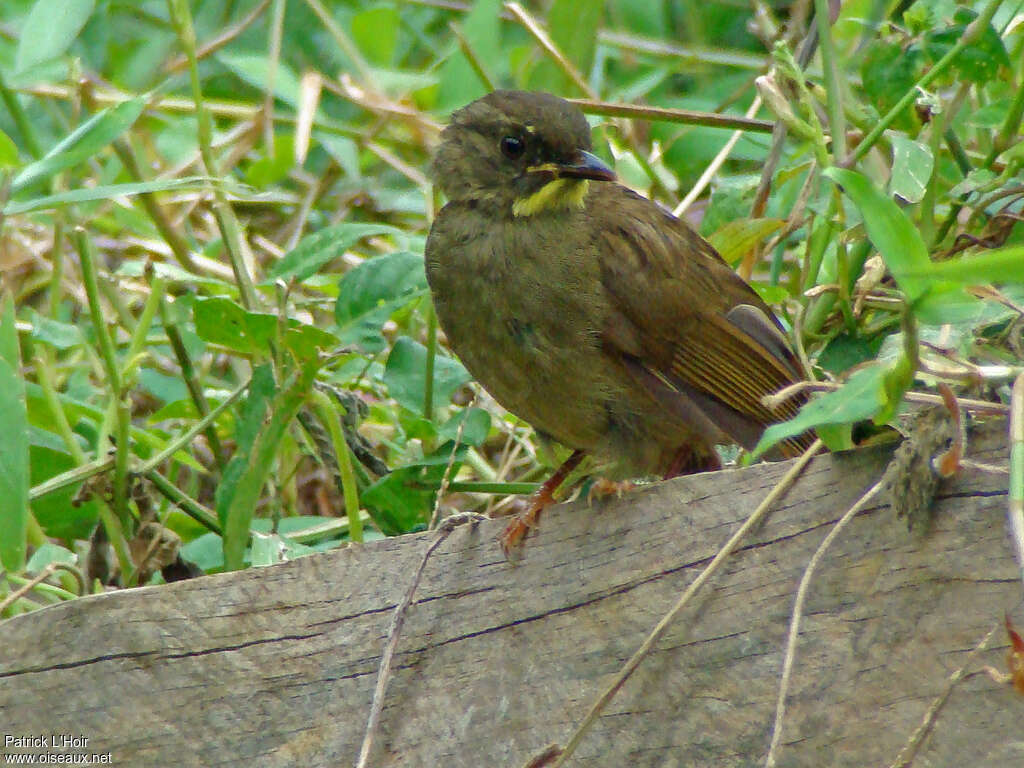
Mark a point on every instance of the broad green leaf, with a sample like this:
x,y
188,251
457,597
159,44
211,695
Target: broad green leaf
x,y
401,501
307,341
482,29
991,116
319,248
1002,265
912,166
739,236
269,169
222,321
59,335
845,351
934,301
50,553
405,375
475,422
369,293
103,192
979,62
14,447
888,71
55,513
975,179
83,143
862,397
375,31
572,25
166,389
255,70
50,29
8,152
207,550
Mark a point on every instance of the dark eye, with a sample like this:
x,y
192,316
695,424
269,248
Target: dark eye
x,y
512,147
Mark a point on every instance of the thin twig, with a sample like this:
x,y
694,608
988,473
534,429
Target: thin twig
x,y
384,671
798,609
545,42
909,751
712,568
215,44
980,406
666,115
28,586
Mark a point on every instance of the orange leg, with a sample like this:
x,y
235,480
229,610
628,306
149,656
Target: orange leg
x,y
544,497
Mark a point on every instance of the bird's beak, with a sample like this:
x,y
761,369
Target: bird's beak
x,y
586,166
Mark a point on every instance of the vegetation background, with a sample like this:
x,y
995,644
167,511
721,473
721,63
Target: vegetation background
x,y
217,348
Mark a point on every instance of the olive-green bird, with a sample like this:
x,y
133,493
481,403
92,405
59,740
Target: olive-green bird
x,y
588,310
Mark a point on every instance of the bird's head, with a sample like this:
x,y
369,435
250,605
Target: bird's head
x,y
523,152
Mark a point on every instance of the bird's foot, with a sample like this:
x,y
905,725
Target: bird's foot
x,y
512,538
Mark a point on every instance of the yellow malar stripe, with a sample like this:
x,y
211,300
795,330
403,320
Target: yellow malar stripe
x,y
555,195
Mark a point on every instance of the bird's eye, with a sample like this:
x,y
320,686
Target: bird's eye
x,y
512,147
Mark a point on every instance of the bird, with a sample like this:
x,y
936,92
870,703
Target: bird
x,y
590,311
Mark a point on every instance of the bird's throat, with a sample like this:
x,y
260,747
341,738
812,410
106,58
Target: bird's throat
x,y
556,195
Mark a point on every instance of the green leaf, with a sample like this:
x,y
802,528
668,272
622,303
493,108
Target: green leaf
x,y
476,426
14,447
573,26
369,293
912,166
319,248
307,341
739,236
375,31
1002,265
83,143
50,29
268,169
222,321
904,252
845,351
236,508
979,62
888,71
482,29
254,69
401,502
57,334
104,192
50,553
8,152
405,375
862,397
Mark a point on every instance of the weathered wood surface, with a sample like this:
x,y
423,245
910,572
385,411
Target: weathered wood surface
x,y
276,666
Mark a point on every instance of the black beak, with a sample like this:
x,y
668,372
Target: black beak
x,y
587,166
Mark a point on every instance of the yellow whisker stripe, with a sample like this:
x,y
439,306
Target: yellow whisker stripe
x,y
555,195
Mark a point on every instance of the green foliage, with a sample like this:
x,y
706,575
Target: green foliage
x,y
14,447
258,223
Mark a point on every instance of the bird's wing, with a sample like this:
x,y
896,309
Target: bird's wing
x,y
690,329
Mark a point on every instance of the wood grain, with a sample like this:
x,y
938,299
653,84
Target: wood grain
x,y
276,666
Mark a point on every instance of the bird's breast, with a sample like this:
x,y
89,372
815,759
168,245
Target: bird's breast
x,y
519,302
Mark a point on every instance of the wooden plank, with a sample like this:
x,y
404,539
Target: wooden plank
x,y
276,666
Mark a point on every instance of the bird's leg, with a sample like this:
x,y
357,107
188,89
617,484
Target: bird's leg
x,y
543,497
689,461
